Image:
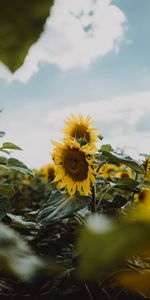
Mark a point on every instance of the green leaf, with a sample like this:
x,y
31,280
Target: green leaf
x,y
6,189
60,205
4,207
119,158
106,147
15,164
5,151
2,133
3,160
9,145
17,260
100,137
82,141
21,24
104,244
126,184
117,201
16,257
18,222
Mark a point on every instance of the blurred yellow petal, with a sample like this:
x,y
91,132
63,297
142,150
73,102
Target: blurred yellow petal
x,y
136,281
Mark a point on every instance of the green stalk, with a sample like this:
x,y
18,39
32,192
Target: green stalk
x,y
93,201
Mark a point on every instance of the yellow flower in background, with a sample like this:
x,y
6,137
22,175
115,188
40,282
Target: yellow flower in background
x,y
27,179
80,128
73,166
107,171
136,280
124,174
147,166
143,197
141,206
48,172
136,198
123,171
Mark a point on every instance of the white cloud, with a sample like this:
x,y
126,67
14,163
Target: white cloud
x,y
78,32
120,121
129,108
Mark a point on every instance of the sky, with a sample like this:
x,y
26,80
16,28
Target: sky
x,y
92,58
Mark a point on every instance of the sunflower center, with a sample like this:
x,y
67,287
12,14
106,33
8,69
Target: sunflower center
x,y
125,175
142,195
80,131
75,164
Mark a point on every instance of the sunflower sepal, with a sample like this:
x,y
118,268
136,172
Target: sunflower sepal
x,y
80,128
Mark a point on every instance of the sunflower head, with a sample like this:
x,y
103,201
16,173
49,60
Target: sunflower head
x,y
73,167
124,174
27,179
142,205
122,171
48,172
80,129
107,171
143,197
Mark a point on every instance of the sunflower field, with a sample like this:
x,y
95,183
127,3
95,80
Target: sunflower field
x,y
78,227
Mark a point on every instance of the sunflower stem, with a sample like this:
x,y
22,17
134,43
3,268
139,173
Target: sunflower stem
x,y
93,201
133,193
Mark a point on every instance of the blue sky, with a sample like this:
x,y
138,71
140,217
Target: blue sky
x,y
109,80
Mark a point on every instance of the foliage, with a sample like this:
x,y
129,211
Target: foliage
x,y
28,192
10,163
21,24
105,244
86,234
84,245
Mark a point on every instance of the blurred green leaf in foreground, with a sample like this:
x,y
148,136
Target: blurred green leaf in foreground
x,y
105,244
21,23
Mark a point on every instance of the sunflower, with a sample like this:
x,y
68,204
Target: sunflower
x,y
124,174
123,171
48,172
107,171
144,196
142,205
73,166
27,179
80,129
